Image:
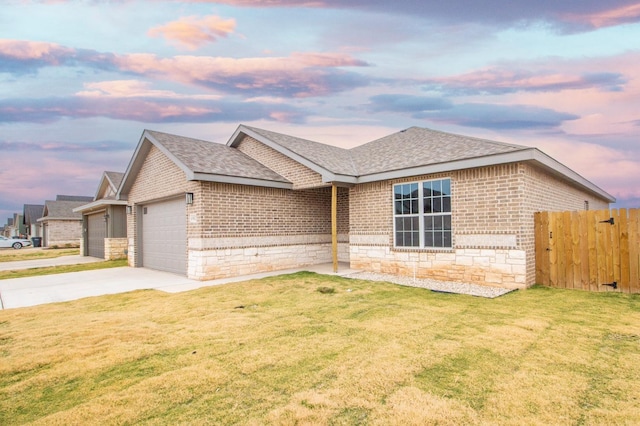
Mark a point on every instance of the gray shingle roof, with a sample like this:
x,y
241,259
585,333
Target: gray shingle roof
x,y
115,178
213,158
63,209
416,146
332,158
413,147
32,212
73,198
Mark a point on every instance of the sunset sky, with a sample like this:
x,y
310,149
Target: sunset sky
x,y
81,80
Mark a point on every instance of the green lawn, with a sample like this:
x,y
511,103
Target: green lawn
x,y
278,351
61,269
31,253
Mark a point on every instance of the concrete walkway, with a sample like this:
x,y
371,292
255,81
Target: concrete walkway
x,y
32,291
43,263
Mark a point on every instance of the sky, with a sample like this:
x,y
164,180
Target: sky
x,y
81,80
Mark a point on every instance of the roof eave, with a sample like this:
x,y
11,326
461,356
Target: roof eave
x,y
99,203
530,154
237,180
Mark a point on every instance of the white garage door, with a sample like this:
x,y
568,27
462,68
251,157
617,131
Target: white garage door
x,y
96,233
164,236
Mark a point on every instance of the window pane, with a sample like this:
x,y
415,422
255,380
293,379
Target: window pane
x,y
447,239
428,239
398,207
437,205
397,191
414,206
415,236
437,223
447,222
446,187
446,204
437,187
427,206
437,239
426,186
428,223
415,225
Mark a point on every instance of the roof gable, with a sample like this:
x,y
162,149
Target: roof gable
x,y
109,184
319,157
202,160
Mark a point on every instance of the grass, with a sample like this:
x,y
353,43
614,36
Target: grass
x,y
61,269
27,253
278,351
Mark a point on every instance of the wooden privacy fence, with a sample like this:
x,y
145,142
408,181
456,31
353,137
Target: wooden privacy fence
x,y
596,250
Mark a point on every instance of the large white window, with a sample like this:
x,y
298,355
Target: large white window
x,y
422,214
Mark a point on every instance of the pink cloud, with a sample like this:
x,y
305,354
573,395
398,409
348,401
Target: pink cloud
x,y
133,89
50,53
299,75
192,32
607,18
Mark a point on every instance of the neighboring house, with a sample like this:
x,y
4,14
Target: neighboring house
x,y
104,221
418,202
9,229
18,225
30,215
61,226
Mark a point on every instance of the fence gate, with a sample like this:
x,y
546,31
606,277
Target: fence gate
x,y
595,250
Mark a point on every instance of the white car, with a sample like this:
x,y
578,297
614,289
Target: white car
x,y
16,243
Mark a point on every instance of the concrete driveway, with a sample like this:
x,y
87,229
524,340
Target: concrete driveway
x,y
31,291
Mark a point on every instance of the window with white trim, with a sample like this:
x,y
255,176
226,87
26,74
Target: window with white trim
x,y
422,214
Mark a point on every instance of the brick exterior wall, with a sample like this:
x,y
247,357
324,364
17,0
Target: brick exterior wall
x,y
492,220
285,228
63,233
301,176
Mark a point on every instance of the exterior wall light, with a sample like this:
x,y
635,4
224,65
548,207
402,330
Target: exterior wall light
x,y
129,209
189,198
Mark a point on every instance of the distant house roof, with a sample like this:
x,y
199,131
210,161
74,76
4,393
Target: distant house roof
x,y
31,213
61,210
115,178
202,160
73,198
105,194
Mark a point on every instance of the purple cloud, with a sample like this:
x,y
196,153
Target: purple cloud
x,y
583,15
298,75
486,116
499,81
147,110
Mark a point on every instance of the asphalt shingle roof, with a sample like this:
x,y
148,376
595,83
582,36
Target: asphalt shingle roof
x,y
213,158
73,198
416,146
332,158
413,147
63,209
32,212
115,178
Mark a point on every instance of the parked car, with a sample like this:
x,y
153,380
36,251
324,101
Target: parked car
x,y
16,243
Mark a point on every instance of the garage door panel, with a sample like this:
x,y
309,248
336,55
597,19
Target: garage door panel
x,y
164,236
96,233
